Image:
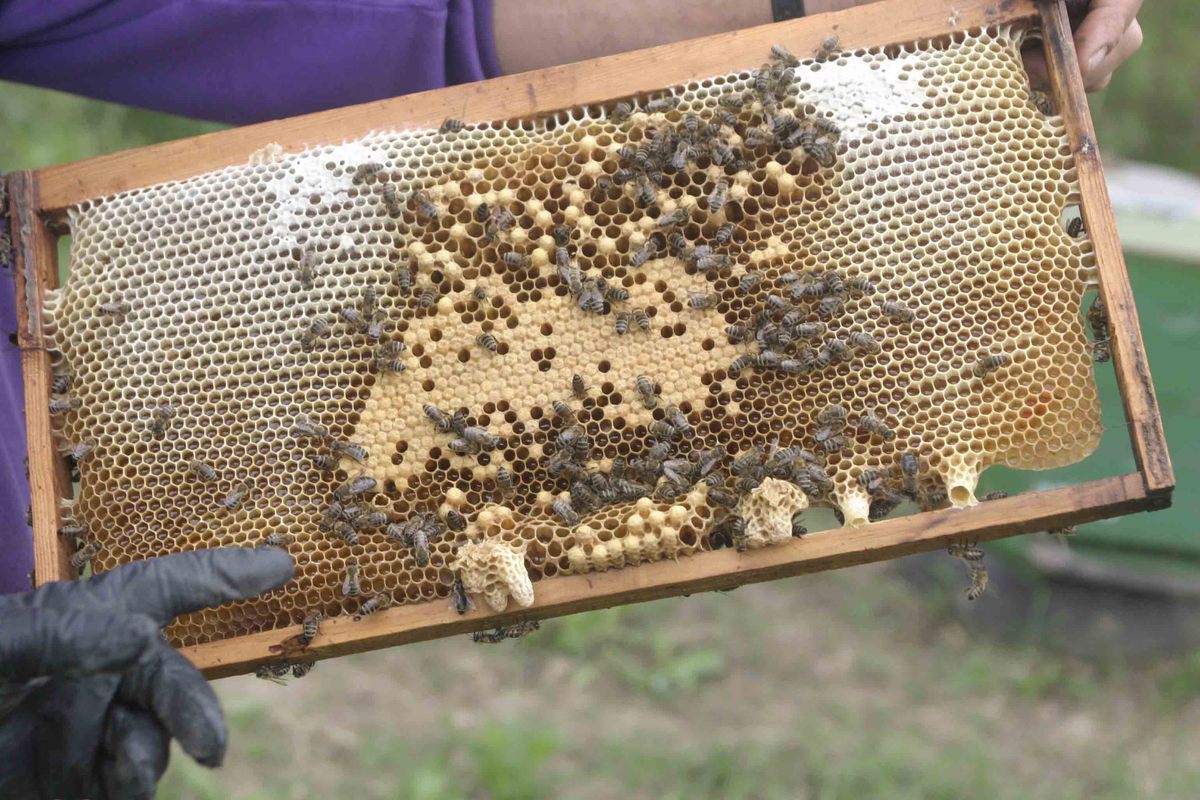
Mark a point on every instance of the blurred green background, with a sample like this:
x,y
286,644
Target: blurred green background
x,y
846,685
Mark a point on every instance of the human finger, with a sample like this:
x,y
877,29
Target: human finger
x,y
1102,30
138,748
165,587
183,702
40,642
1130,43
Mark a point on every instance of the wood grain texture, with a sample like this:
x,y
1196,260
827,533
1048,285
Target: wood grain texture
x,y
36,266
1129,353
526,94
718,569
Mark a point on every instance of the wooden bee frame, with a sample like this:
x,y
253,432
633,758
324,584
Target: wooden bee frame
x,y
39,200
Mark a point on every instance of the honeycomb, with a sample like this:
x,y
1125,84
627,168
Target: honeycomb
x,y
562,352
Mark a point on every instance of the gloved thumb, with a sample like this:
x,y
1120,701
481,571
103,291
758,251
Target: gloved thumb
x,y
40,642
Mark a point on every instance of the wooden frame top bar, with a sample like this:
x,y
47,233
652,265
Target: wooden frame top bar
x,y
523,95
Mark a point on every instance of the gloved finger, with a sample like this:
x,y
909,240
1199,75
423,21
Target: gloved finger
x,y
1130,43
38,642
165,587
1101,31
137,749
178,695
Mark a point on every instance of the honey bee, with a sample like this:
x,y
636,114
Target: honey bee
x,y
679,421
275,673
827,48
437,417
979,582
402,277
1042,102
896,311
504,480
839,349
346,532
351,585
236,496
829,438
84,555
392,203
874,425
351,450
718,197
724,233
578,386
641,319
370,520
1098,321
514,259
202,471
1069,530
933,498
498,635
317,329
864,341
376,603
324,462
703,300
823,152
620,112
829,305
455,521
645,194
487,341
72,531
990,363
860,284
458,595
722,497
61,405
364,171
679,216
748,282
661,104
784,56
563,509
387,356
302,668
481,213
910,466
872,480
622,323
277,539
160,419
429,296
353,317
114,309
303,427
827,127
645,389
451,125
709,261
306,268
967,552
418,541
1075,227
78,451
425,206
353,487
61,383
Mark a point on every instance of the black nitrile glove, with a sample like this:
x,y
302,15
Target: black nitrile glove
x,y
91,695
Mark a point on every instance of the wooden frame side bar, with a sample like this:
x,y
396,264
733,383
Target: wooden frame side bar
x,y
1129,353
524,95
36,264
718,569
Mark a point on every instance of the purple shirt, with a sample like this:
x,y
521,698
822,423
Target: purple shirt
x,y
229,60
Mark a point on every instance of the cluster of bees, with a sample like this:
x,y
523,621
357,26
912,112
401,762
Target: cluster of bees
x,y
788,331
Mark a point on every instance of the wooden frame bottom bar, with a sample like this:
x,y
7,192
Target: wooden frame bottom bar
x,y
718,569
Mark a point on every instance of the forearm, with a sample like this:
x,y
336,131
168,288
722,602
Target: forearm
x,y
532,34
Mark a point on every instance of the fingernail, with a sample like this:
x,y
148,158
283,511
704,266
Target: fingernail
x,y
1094,61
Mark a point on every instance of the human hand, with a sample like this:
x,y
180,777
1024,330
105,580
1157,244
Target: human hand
x,y
1108,35
90,693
